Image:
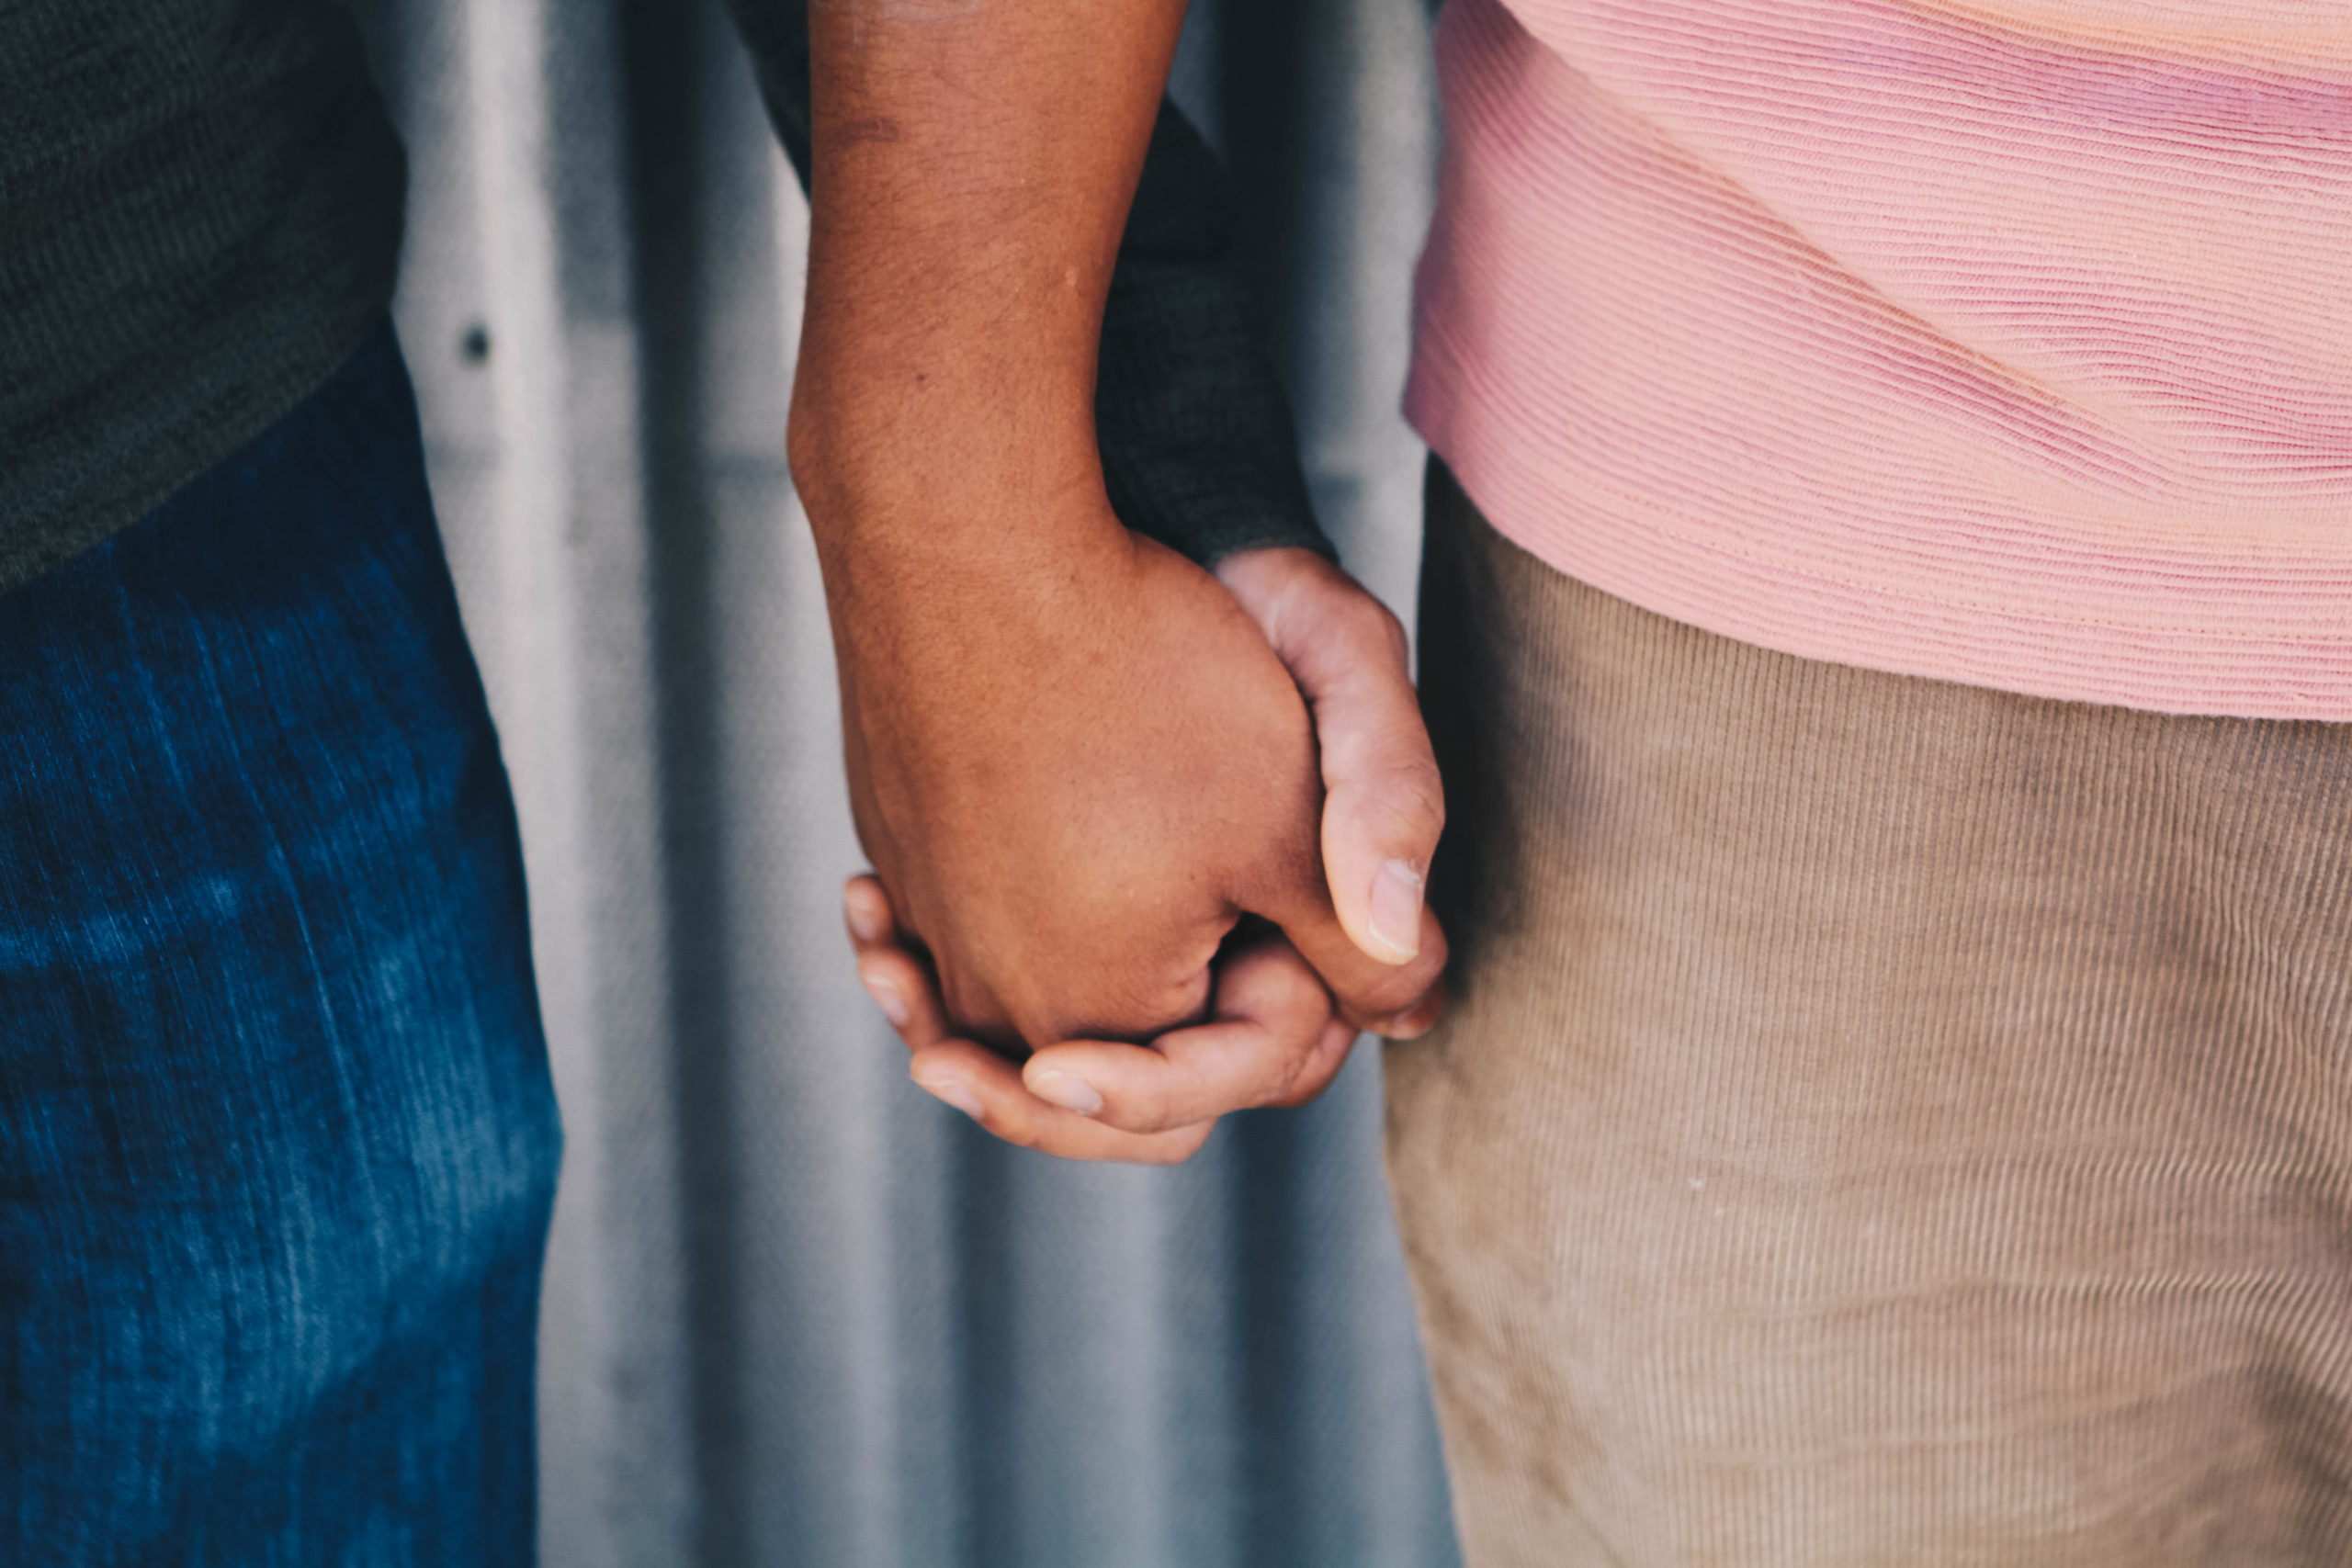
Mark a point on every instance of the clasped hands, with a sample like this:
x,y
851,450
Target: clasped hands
x,y
1163,832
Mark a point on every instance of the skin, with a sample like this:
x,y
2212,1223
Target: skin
x,y
1269,1038
1278,1041
1076,761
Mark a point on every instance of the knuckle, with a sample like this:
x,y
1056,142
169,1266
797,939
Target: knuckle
x,y
1364,617
1413,793
1395,990
1343,639
1307,1084
1299,1065
1394,782
1284,1087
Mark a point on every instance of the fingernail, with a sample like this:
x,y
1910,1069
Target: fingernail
x,y
1397,911
1069,1092
1412,1024
953,1091
887,996
868,920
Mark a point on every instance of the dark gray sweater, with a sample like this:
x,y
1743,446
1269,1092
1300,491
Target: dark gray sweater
x,y
200,217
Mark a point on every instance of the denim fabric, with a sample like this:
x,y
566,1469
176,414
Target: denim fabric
x,y
278,1143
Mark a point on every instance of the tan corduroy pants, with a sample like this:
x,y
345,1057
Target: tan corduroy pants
x,y
1879,1121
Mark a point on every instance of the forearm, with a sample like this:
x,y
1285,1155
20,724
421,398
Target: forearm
x,y
1074,759
1192,422
972,164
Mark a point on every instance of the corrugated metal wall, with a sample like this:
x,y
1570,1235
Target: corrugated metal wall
x,y
797,1312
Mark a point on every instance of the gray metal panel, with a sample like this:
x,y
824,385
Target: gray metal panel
x,y
797,1312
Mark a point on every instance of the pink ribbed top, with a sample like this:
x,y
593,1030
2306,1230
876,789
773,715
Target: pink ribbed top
x,y
2008,342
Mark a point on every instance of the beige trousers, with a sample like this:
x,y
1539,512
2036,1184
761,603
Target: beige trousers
x,y
1879,1121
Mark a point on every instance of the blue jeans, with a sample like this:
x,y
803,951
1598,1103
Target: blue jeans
x,y
278,1143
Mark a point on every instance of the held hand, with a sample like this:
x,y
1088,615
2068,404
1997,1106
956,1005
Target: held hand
x,y
1074,773
1271,1039
1075,761
1274,1039
1384,804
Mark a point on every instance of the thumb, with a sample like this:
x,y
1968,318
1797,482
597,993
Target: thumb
x,y
1384,803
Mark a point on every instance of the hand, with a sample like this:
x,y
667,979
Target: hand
x,y
1275,1040
1076,764
1271,1039
1384,804
1075,761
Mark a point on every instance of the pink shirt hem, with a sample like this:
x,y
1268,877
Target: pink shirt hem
x,y
1892,335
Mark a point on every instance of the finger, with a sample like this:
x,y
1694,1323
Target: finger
x,y
921,1003
1384,998
1383,806
1329,1056
1272,1018
987,1089
1384,802
1415,1021
900,982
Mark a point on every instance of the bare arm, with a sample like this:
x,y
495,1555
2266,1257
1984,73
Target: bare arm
x,y
1075,761
972,164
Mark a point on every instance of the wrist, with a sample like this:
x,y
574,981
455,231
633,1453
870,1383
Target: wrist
x,y
873,456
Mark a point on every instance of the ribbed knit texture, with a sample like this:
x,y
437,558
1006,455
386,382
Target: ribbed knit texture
x,y
2009,343
199,219
1877,1121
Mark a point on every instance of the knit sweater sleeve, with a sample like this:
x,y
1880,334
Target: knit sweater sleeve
x,y
1195,430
